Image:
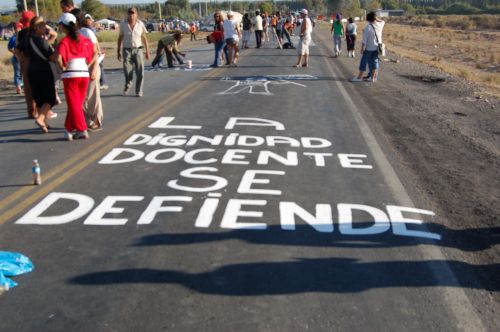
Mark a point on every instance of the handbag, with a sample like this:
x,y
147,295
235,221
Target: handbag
x,y
56,71
381,46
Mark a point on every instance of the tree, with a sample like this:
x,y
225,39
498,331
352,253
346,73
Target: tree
x,y
266,7
95,8
49,9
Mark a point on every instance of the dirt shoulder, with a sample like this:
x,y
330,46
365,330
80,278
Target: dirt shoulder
x,y
445,142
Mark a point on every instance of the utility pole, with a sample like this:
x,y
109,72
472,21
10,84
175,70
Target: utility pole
x,y
36,8
159,9
199,8
25,5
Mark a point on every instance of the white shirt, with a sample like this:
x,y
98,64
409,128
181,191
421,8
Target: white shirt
x,y
309,28
258,23
86,32
369,38
132,37
230,30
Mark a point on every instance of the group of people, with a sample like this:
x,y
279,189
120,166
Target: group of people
x,y
39,66
372,38
227,34
74,61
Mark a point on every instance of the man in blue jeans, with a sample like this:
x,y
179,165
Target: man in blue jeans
x,y
372,36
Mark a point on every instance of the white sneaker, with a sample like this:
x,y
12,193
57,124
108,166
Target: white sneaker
x,y
356,79
104,87
68,136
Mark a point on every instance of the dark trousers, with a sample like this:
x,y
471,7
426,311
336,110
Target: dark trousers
x,y
159,55
258,37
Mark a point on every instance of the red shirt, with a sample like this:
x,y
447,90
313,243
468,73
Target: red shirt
x,y
70,49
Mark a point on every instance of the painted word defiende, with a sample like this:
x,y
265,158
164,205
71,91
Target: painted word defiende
x,y
392,218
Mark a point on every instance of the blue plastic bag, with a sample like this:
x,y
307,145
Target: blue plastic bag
x,y
13,264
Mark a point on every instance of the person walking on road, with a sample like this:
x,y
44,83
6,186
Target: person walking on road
x,y
92,106
22,55
350,37
75,55
247,28
169,45
259,27
11,47
39,72
133,39
216,38
372,36
232,36
305,40
338,34
192,29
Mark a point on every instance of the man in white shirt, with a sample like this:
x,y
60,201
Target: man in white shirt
x,y
133,37
258,28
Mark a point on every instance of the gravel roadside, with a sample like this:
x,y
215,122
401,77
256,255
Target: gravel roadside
x,y
444,139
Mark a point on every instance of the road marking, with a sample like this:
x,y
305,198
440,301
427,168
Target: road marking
x,y
66,170
465,315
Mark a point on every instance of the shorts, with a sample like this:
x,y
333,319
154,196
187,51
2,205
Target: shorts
x,y
303,47
232,41
246,35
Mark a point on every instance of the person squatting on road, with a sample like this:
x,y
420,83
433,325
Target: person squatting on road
x,y
338,34
216,38
232,35
305,40
75,55
350,37
92,106
169,45
372,36
133,37
40,73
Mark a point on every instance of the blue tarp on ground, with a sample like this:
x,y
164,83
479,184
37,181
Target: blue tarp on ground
x,y
12,264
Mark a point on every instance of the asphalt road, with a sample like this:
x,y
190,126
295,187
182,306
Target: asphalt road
x,y
255,198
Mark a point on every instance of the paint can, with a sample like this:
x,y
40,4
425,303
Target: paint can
x,y
189,64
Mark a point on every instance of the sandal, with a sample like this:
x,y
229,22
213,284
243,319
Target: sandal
x,y
43,127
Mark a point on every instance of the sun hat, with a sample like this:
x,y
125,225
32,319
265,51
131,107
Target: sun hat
x,y
66,19
303,11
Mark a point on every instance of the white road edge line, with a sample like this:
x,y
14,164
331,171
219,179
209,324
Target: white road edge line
x,y
461,307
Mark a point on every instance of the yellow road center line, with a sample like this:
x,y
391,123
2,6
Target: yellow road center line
x,y
90,154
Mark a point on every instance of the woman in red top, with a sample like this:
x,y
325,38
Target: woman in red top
x,y
76,55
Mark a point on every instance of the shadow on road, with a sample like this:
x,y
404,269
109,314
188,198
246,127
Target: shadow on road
x,y
327,275
299,275
466,240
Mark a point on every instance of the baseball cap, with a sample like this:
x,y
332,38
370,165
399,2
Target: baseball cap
x,y
230,13
66,19
303,11
89,17
26,17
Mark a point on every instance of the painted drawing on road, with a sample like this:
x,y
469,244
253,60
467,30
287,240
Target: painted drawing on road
x,y
259,85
